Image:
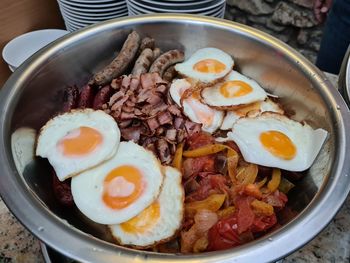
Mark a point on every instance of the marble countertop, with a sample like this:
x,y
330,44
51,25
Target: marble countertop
x,y
331,245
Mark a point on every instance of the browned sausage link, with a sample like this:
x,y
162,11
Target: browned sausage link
x,y
166,60
86,97
70,98
169,74
147,42
102,97
143,62
156,53
118,66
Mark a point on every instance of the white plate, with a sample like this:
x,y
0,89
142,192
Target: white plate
x,y
77,24
90,10
70,28
197,10
91,21
74,28
185,4
137,10
134,11
95,14
216,10
179,1
22,47
88,18
94,6
218,14
94,2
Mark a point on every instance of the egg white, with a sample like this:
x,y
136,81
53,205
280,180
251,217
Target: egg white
x,y
87,187
192,106
59,126
186,68
308,142
171,202
232,116
177,88
213,97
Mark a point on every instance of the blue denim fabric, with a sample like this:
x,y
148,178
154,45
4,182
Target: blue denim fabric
x,y
336,37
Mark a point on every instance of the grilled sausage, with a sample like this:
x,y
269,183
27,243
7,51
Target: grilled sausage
x,y
166,60
169,73
156,53
118,66
143,62
147,42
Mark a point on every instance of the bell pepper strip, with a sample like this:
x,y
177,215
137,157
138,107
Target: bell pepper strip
x,y
211,203
247,174
206,150
262,208
232,162
201,244
253,190
226,212
261,183
275,180
285,185
177,161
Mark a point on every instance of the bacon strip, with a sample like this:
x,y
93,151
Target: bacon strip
x,y
166,60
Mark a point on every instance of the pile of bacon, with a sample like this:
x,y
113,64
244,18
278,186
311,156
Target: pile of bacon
x,y
139,102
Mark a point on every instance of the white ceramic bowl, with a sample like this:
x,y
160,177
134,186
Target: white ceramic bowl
x,y
22,47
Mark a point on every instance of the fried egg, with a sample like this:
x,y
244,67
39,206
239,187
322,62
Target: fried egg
x,y
274,140
235,90
158,222
251,110
206,65
193,108
120,188
78,140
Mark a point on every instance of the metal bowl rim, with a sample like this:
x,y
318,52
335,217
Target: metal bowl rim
x,y
42,223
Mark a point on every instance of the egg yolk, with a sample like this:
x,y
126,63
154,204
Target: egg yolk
x,y
143,221
209,66
279,144
122,186
80,141
235,88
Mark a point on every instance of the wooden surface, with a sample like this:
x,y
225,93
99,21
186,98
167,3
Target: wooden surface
x,y
20,16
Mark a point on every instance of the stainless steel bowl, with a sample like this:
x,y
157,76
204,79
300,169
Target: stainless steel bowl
x,y
344,77
34,92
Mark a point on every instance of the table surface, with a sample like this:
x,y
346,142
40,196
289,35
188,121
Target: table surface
x,y
331,245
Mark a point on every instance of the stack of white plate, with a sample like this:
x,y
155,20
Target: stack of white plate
x,y
215,8
81,13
